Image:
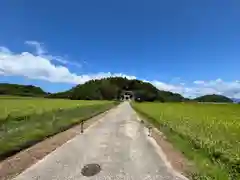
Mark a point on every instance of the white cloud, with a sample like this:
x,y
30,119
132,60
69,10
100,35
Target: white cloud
x,y
41,51
218,86
41,66
38,46
165,86
62,60
231,89
4,50
198,82
199,88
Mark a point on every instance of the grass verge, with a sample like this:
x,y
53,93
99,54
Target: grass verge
x,y
17,134
206,167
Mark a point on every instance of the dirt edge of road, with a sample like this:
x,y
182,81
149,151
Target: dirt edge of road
x,y
176,159
14,165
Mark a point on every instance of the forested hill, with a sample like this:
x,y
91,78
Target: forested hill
x,y
108,89
111,88
21,90
213,98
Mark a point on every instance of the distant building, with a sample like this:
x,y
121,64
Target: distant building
x,y
127,96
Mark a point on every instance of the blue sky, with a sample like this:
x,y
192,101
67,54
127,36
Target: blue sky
x,y
190,47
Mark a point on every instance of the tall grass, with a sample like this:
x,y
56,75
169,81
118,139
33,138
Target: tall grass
x,y
211,129
19,132
21,106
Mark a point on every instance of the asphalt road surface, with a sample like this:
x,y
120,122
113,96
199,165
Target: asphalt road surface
x,y
118,143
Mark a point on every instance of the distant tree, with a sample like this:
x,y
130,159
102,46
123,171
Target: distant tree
x,y
108,91
213,98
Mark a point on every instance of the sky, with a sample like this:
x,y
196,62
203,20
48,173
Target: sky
x,y
189,47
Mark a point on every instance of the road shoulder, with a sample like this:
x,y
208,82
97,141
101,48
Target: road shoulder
x,y
174,158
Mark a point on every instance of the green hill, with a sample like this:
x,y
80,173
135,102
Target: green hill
x,y
20,90
214,98
108,89
111,88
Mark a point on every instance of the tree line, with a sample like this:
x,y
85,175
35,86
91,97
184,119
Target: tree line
x,y
111,88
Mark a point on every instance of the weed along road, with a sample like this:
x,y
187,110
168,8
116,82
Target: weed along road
x,y
115,147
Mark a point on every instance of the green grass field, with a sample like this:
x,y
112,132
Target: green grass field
x,y
26,121
208,134
19,106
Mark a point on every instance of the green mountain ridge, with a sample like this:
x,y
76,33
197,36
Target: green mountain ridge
x,y
214,98
112,88
21,90
108,89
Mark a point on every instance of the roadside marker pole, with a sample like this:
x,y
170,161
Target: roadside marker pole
x,y
149,131
82,126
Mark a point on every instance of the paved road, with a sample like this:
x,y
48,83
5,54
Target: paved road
x,y
118,143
